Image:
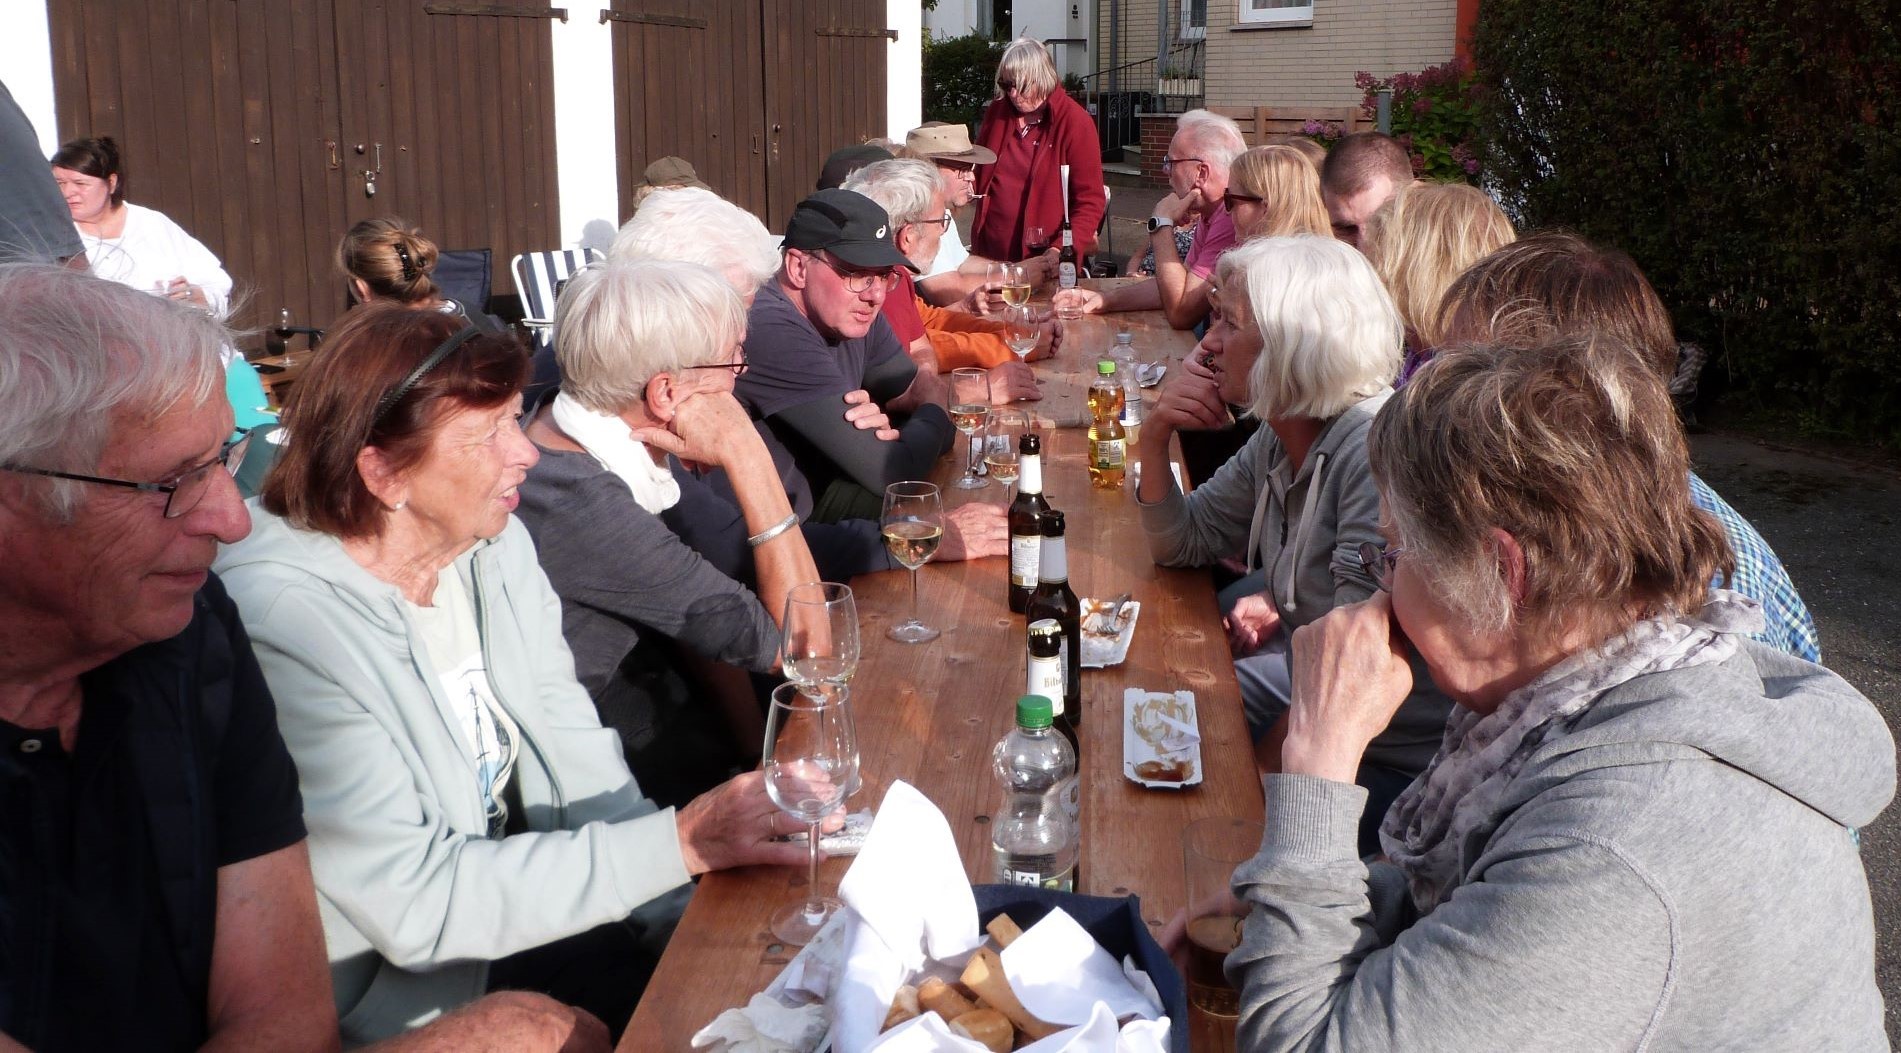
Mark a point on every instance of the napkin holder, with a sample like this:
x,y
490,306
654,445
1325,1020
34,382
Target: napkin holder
x,y
1117,925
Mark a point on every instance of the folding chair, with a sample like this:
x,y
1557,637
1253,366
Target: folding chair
x,y
538,278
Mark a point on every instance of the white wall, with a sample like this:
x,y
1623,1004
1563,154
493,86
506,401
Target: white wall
x,y
26,66
586,159
904,69
1058,20
955,18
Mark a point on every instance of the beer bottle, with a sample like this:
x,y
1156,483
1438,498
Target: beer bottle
x,y
1066,259
1026,522
1055,600
1046,674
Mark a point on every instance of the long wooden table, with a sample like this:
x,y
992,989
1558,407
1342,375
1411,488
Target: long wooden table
x,y
930,713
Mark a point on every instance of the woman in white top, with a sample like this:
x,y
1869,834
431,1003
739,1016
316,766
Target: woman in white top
x,y
131,244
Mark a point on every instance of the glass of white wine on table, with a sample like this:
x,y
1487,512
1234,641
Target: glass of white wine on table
x,y
1021,330
969,407
913,526
819,641
1001,438
810,758
1016,284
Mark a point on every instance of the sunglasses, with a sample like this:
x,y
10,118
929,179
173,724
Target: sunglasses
x,y
1230,200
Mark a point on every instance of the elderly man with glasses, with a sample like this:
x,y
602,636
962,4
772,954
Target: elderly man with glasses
x,y
1197,163
816,332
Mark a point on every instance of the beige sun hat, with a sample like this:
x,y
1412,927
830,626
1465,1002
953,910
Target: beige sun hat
x,y
947,142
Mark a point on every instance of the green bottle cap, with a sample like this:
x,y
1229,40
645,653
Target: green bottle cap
x,y
1105,367
1034,711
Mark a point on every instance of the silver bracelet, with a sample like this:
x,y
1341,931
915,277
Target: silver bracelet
x,y
791,520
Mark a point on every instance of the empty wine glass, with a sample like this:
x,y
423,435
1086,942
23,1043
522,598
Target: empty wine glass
x,y
1021,331
819,636
913,525
810,759
970,405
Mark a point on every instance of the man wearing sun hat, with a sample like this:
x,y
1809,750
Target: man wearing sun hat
x,y
955,274
816,333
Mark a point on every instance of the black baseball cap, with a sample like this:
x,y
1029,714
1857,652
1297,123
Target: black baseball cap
x,y
848,225
843,162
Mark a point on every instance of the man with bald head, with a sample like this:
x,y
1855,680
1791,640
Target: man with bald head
x,y
1197,162
1362,172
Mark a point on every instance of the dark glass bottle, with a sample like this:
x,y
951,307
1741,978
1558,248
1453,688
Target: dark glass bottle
x,y
1054,599
1066,270
1026,522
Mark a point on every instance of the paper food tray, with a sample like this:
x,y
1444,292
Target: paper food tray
x,y
1143,729
1101,650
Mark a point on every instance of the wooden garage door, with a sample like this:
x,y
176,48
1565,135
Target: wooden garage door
x,y
755,93
240,120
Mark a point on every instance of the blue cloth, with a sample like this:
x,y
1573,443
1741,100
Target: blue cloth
x,y
245,391
1761,577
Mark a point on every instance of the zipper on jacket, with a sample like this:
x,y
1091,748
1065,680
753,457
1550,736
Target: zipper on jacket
x,y
481,621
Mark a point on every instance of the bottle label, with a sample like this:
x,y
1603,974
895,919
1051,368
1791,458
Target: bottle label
x,y
1066,275
1062,882
1046,679
1109,454
1024,552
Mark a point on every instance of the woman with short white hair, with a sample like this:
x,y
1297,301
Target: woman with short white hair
x,y
1304,335
698,226
649,351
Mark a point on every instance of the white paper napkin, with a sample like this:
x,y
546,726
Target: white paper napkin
x,y
1059,972
764,1026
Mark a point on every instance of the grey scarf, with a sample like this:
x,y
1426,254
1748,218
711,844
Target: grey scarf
x,y
1440,824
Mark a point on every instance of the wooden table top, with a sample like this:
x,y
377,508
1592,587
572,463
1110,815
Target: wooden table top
x,y
930,713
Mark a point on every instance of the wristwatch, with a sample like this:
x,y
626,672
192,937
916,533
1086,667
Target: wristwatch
x,y
1159,222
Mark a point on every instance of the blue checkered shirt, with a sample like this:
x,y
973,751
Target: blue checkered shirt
x,y
1761,577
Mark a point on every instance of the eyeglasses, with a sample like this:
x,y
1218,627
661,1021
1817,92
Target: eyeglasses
x,y
182,493
1230,200
1169,163
1379,561
942,222
737,367
1006,86
859,281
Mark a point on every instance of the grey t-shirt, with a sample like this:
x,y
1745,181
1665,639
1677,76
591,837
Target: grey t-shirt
x,y
35,223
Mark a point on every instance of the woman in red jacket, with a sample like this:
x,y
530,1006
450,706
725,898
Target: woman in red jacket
x,y
1035,129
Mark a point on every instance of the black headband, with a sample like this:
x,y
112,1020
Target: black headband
x,y
409,268
443,350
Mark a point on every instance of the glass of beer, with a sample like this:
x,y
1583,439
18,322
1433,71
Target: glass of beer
x,y
1211,850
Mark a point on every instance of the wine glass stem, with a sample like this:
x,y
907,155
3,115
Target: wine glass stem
x,y
970,456
814,904
914,617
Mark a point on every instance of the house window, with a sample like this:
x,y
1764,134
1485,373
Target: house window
x,y
1194,20
1276,12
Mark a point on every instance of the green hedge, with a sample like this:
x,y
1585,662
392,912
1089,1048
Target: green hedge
x,y
1748,155
960,77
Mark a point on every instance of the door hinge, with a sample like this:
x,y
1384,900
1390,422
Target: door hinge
x,y
677,21
440,7
855,31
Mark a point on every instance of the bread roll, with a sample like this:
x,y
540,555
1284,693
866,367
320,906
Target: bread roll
x,y
984,975
904,1006
1003,929
987,1026
936,996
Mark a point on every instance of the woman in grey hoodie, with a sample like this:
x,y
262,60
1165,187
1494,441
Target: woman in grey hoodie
x,y
1637,833
1306,337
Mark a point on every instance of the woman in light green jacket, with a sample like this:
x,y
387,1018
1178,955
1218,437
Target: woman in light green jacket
x,y
464,803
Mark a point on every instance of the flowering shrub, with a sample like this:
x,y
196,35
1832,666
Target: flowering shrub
x,y
1435,116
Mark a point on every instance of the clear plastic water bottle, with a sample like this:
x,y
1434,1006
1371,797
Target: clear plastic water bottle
x,y
1124,355
1032,835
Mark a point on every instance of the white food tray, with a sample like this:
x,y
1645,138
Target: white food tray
x,y
1145,734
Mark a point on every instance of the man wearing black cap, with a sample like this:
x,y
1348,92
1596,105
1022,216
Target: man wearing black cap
x,y
816,333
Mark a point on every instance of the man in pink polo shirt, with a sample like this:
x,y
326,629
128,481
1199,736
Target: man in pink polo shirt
x,y
1196,164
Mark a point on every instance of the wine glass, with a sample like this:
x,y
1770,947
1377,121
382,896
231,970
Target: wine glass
x,y
1015,282
1001,438
1036,240
1022,331
970,406
913,525
810,758
819,636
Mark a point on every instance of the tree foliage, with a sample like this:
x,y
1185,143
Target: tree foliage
x,y
1746,154
959,77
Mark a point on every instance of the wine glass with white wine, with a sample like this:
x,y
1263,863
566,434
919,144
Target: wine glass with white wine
x,y
1021,331
1001,438
810,758
913,526
1016,284
969,407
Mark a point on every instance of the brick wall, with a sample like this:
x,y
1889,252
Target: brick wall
x,y
1157,130
1312,67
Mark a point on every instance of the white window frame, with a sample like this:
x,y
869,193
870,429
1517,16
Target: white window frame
x,y
1188,30
1299,15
